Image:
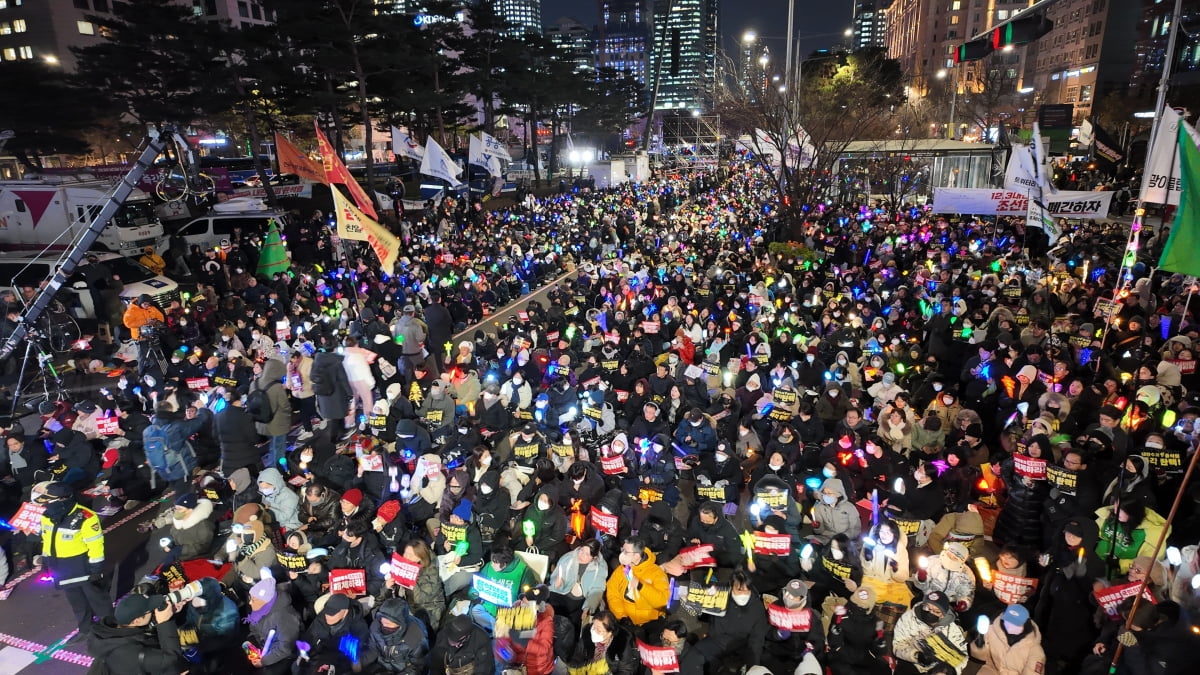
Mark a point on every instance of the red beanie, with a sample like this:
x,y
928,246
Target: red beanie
x,y
353,496
388,510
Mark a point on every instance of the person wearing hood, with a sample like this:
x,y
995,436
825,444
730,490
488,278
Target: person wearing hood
x,y
437,410
639,589
885,390
462,647
191,532
240,484
278,496
248,547
141,636
1135,485
740,633
273,617
238,438
214,616
545,525
834,514
1065,597
490,507
166,439
279,409
855,645
399,640
332,390
721,471
72,450
832,406
711,527
319,515
338,619
1012,644
933,615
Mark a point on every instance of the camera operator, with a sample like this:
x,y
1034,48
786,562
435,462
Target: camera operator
x,y
141,638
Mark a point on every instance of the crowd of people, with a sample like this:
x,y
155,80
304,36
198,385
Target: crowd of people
x,y
891,441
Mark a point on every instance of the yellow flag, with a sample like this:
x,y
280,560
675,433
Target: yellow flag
x,y
354,224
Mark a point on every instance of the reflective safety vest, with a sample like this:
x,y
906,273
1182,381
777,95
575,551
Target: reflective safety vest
x,y
73,545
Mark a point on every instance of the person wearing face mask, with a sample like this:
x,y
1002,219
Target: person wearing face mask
x,y
279,498
545,525
1134,485
339,618
516,395
248,546
739,635
398,639
582,489
1012,644
920,497
696,434
834,514
832,406
794,650
720,470
462,647
947,574
909,641
639,589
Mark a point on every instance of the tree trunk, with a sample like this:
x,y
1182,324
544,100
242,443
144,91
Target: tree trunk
x,y
251,119
531,130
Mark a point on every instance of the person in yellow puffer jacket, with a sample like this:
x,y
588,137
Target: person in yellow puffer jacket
x,y
639,589
150,258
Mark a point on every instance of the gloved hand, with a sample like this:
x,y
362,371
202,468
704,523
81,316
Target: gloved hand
x,y
95,573
924,658
1127,638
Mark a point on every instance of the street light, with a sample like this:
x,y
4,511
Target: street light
x,y
749,37
941,75
849,32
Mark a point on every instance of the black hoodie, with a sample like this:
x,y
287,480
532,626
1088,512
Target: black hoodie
x,y
404,650
550,526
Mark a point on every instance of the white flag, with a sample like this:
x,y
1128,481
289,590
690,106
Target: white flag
x,y
1041,161
437,163
494,147
478,155
1086,131
1028,169
405,145
1038,216
1163,181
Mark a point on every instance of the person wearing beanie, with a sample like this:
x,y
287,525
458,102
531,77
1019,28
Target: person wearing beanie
x,y
339,618
792,651
948,574
460,537
461,647
932,615
855,645
355,507
1012,644
141,636
191,533
271,615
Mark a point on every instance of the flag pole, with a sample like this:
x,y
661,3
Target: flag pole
x,y
1162,537
1139,213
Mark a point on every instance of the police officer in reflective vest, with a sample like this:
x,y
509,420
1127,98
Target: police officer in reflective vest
x,y
73,550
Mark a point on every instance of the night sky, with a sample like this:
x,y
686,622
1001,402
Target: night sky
x,y
768,18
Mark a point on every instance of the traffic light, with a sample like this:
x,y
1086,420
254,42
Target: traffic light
x,y
973,50
1021,31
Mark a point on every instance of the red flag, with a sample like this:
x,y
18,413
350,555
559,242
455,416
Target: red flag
x,y
336,172
291,160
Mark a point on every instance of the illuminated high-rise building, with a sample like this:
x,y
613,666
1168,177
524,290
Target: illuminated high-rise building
x,y
526,14
623,37
685,41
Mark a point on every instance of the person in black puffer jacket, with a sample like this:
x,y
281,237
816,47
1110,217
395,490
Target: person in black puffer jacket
x,y
462,648
339,618
320,515
238,438
127,644
663,534
855,646
1020,520
491,507
399,640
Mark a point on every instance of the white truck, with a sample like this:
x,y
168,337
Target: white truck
x,y
51,211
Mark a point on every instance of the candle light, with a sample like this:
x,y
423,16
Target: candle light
x,y
985,570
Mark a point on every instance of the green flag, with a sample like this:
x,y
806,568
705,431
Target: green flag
x,y
274,256
1180,253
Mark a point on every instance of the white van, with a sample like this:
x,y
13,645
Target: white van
x,y
18,272
208,231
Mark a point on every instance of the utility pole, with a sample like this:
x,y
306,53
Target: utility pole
x,y
657,50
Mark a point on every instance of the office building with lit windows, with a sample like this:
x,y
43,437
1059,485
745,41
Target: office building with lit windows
x,y
685,38
623,37
526,14
870,20
575,40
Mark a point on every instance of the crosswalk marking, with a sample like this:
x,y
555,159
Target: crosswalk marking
x,y
13,660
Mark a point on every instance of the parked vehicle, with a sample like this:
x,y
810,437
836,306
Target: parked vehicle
x,y
21,273
50,212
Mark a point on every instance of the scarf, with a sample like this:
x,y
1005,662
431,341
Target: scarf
x,y
17,461
257,615
249,550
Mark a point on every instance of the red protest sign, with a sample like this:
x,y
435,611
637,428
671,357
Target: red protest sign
x,y
1185,366
348,582
787,619
1029,467
108,426
605,523
660,659
612,465
28,518
197,383
697,556
1110,598
404,571
1012,590
766,543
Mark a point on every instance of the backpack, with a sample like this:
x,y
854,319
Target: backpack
x,y
258,405
321,385
155,441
